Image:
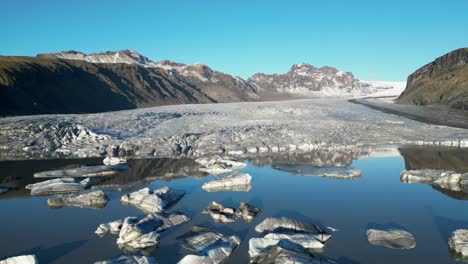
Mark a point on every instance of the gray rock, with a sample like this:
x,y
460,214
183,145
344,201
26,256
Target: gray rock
x,y
126,259
83,172
247,212
392,238
25,259
92,199
287,252
56,186
152,201
232,182
458,242
211,247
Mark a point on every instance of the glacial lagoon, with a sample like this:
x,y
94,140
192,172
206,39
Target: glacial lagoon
x,y
281,186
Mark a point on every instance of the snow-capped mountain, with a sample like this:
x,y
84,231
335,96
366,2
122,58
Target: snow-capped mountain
x,y
220,86
303,80
307,80
122,56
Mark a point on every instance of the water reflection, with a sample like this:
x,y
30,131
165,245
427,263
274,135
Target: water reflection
x,y
316,163
451,159
147,170
18,174
67,236
317,158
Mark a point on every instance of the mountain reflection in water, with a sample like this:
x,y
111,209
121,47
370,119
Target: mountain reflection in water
x,y
452,159
18,174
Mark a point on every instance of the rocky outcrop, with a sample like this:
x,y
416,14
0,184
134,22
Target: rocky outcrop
x,y
443,81
307,80
392,238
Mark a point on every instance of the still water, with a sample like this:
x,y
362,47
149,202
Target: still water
x,y
280,187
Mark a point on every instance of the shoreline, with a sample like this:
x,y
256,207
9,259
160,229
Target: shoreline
x,y
442,116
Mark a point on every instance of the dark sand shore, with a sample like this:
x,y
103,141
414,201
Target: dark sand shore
x,y
438,115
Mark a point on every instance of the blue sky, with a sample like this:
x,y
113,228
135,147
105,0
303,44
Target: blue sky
x,y
376,40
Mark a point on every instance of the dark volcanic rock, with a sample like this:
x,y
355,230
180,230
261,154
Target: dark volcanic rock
x,y
443,81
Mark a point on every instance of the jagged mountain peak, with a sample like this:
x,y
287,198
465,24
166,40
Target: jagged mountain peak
x,y
306,79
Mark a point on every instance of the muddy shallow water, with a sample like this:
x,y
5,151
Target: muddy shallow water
x,y
279,188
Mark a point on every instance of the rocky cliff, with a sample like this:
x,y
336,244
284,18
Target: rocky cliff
x,y
443,81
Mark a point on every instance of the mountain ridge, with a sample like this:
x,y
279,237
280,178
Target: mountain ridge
x,y
75,82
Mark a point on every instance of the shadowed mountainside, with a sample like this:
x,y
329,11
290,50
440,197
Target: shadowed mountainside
x,y
48,86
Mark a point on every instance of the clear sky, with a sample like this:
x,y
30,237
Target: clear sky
x,y
374,39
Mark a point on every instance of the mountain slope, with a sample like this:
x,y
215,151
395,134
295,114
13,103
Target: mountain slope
x,y
219,86
74,82
443,81
44,86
